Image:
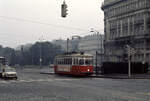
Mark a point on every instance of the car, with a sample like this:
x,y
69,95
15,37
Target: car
x,y
8,72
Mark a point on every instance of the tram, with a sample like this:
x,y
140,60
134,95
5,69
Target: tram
x,y
77,64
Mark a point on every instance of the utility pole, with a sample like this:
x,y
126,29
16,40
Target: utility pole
x,y
129,70
96,64
40,60
40,55
144,60
129,60
67,45
74,48
101,47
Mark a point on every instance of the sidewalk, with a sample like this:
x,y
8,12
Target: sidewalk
x,y
123,76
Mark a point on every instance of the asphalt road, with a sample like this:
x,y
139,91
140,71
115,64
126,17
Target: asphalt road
x,y
33,86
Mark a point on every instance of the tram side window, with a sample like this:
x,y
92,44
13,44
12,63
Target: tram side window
x,y
64,61
70,61
81,62
59,61
55,62
67,61
75,61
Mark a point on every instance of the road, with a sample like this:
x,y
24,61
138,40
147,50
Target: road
x,y
33,86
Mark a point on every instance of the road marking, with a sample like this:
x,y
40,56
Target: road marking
x,y
42,80
3,82
35,80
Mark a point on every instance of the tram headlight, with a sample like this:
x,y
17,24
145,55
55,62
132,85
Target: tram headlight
x,y
88,70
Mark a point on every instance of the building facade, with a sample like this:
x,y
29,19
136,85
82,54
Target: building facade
x,y
62,43
72,44
127,22
91,44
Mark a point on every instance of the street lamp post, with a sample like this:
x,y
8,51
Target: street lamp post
x,y
67,45
129,59
101,49
96,64
40,59
74,47
68,41
40,55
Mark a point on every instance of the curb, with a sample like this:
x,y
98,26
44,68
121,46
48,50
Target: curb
x,y
52,73
119,77
103,76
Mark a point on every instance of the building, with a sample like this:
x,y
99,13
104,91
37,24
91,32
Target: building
x,y
92,44
89,44
72,44
127,22
62,43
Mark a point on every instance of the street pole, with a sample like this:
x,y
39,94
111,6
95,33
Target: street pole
x,y
129,60
67,45
40,55
101,46
144,52
96,64
75,49
40,60
101,50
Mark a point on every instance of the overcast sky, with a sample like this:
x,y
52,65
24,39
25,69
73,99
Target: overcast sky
x,y
25,21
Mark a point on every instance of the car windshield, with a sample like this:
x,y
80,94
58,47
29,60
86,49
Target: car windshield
x,y
10,70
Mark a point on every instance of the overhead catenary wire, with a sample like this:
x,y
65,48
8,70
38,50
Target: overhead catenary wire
x,y
86,32
42,23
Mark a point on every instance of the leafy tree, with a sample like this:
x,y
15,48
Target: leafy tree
x,y
46,50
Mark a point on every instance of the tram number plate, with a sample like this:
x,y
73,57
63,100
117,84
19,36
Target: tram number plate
x,y
64,68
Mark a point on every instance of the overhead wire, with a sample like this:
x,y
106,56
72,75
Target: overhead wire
x,y
47,24
42,23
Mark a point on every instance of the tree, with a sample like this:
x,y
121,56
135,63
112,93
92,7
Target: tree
x,y
32,55
47,51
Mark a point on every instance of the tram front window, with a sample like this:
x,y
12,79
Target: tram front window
x,y
88,62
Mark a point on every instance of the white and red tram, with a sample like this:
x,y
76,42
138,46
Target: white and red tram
x,y
79,64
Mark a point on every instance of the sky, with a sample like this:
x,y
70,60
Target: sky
x,y
26,21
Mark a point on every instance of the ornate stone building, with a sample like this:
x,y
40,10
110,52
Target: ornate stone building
x,y
127,22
